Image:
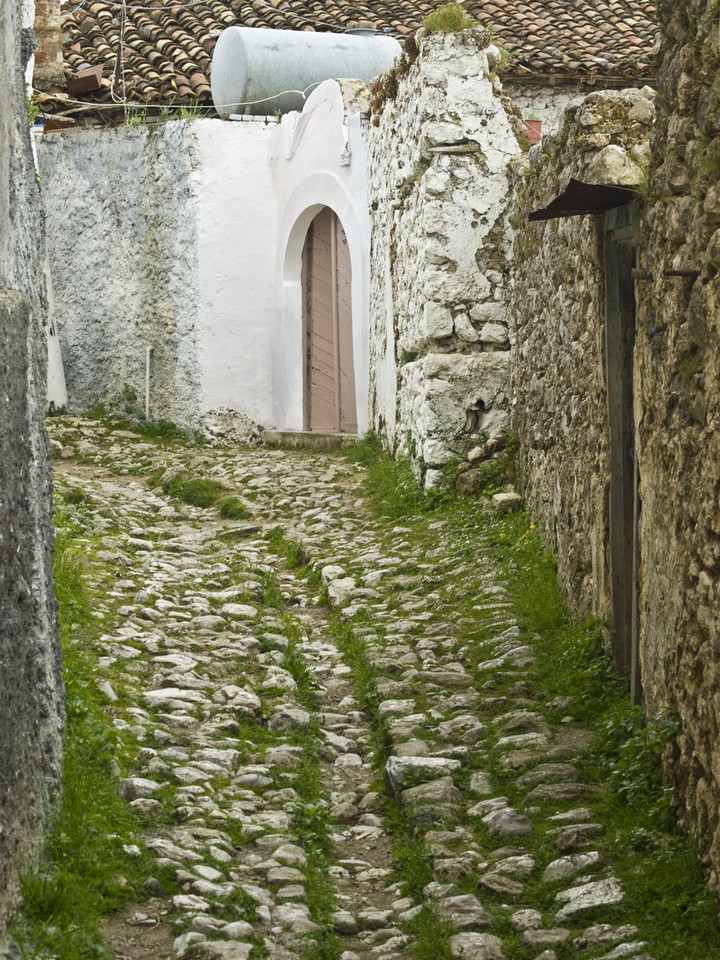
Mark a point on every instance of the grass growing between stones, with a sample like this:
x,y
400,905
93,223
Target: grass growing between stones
x,y
232,508
661,874
195,491
660,869
84,871
391,485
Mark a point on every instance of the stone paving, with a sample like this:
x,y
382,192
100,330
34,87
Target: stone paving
x,y
235,679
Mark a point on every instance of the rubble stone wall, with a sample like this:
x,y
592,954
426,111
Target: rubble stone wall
x,y
439,335
558,309
678,374
31,700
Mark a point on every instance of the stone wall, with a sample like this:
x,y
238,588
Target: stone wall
x,y
439,336
558,309
31,705
678,372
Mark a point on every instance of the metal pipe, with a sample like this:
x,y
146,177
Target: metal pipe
x,y
148,355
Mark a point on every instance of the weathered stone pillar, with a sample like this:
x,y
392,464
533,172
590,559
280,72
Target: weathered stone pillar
x,y
439,195
31,706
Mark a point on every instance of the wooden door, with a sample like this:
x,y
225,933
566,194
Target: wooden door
x,y
329,394
620,260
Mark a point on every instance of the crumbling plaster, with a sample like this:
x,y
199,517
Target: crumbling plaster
x,y
439,337
31,695
186,237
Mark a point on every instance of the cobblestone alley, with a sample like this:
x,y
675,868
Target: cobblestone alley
x,y
291,728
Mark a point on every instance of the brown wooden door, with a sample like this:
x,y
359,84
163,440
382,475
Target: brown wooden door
x,y
330,377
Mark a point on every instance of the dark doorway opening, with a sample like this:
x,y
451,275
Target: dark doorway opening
x,y
620,319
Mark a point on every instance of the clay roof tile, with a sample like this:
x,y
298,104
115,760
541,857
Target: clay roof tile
x,y
168,45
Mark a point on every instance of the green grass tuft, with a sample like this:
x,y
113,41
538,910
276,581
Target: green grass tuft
x,y
451,18
196,491
232,508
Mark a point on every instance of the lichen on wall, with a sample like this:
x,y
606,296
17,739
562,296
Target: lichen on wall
x,y
558,309
438,193
678,371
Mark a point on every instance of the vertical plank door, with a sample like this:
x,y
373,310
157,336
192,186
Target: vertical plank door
x,y
329,379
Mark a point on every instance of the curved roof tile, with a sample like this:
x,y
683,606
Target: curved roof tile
x,y
165,43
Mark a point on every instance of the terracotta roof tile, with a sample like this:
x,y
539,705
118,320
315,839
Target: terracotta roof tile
x,y
167,46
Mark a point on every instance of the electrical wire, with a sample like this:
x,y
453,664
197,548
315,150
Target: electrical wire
x,y
168,106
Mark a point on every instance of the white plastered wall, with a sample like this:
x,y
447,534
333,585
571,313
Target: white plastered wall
x,y
236,241
187,238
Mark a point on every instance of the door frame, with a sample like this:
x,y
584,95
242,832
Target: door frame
x,y
620,247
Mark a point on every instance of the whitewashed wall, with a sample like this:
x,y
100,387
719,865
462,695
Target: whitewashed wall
x,y
544,103
439,193
122,241
186,237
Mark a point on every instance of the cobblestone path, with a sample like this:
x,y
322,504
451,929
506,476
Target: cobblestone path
x,y
259,702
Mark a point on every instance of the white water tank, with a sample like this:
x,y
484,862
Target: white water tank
x,y
263,72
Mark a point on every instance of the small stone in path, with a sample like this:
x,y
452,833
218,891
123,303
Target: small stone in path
x,y
566,867
440,791
398,769
476,946
223,950
603,933
497,883
286,717
465,912
626,950
544,938
572,838
523,920
480,784
507,823
344,923
136,787
411,748
504,502
588,896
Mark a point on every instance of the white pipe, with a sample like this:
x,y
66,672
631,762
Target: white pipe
x,y
148,354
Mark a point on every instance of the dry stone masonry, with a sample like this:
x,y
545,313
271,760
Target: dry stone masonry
x,y
30,682
560,374
678,371
440,361
202,668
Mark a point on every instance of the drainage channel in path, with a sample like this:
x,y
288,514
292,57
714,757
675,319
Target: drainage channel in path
x,y
321,778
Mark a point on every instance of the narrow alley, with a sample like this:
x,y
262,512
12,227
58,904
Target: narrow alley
x,y
316,707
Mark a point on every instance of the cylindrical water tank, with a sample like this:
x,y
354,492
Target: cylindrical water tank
x,y
264,72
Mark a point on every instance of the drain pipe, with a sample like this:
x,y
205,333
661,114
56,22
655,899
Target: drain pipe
x,y
148,355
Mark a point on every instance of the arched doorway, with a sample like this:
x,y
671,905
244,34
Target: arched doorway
x,y
329,381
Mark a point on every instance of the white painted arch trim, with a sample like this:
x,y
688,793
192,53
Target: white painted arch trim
x,y
320,189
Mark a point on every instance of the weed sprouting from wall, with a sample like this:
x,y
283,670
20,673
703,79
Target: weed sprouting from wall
x,y
451,18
